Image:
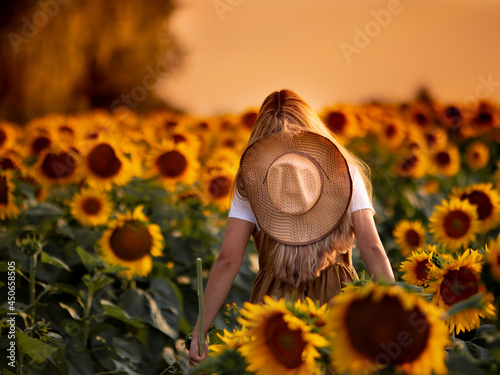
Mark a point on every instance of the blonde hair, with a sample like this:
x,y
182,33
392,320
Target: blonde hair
x,y
285,111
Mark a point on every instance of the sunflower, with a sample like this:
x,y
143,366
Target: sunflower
x,y
409,236
247,120
8,135
477,155
12,159
431,187
216,184
280,343
457,280
454,223
341,121
375,326
8,206
419,114
91,207
231,340
485,117
310,309
487,202
39,142
450,116
493,258
130,241
416,268
172,164
392,133
414,165
445,161
105,165
56,166
435,138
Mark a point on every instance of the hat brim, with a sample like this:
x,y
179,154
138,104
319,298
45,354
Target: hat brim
x,y
332,205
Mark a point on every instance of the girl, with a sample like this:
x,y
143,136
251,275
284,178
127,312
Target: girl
x,y
303,197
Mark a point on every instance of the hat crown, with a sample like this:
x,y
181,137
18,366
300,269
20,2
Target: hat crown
x,y
294,183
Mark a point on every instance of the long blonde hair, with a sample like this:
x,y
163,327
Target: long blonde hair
x,y
285,111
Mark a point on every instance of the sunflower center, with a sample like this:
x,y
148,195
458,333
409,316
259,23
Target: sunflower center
x,y
412,237
431,139
91,206
483,203
285,344
456,224
132,241
219,187
40,144
421,270
390,131
398,336
4,191
170,124
458,285
336,122
66,130
7,163
452,114
408,164
420,119
248,119
171,164
179,138
484,119
55,166
3,137
443,158
103,162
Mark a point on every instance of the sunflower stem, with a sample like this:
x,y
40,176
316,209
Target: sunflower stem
x,y
201,306
33,266
86,316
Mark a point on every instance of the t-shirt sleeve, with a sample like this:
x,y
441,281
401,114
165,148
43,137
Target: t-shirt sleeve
x,y
240,209
360,199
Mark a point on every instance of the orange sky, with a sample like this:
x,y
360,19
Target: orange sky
x,y
333,51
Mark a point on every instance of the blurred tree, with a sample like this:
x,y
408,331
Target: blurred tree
x,y
72,55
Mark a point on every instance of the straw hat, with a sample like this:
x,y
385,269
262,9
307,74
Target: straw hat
x,y
299,186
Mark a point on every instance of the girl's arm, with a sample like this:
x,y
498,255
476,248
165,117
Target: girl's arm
x,y
370,246
222,275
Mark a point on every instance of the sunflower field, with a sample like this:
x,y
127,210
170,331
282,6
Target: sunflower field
x,y
103,216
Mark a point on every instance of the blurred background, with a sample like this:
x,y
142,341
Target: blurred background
x,y
214,57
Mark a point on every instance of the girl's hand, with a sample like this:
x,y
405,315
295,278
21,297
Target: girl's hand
x,y
194,357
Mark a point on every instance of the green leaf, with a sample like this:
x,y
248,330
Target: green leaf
x,y
49,259
90,261
42,209
116,312
58,358
95,285
36,349
473,302
4,265
70,310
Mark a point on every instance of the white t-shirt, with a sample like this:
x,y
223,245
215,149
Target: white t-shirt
x,y
240,208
